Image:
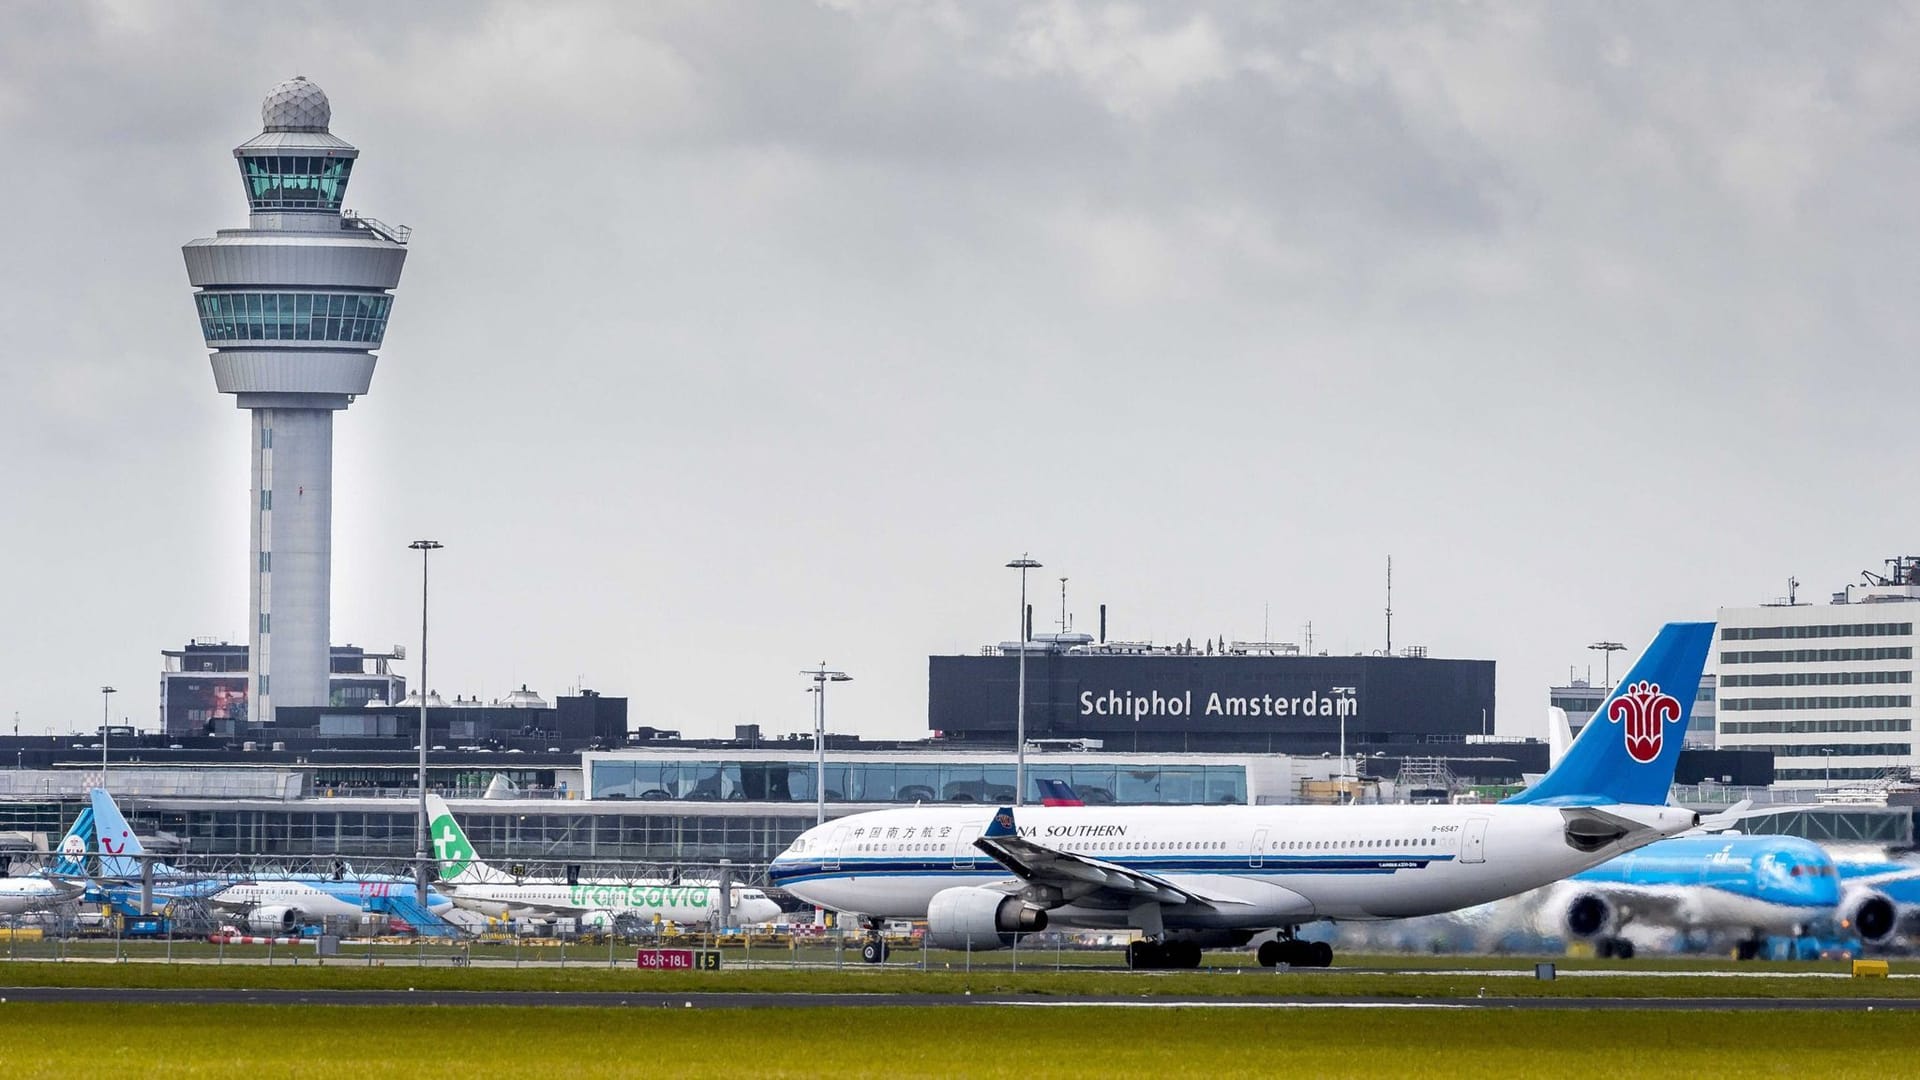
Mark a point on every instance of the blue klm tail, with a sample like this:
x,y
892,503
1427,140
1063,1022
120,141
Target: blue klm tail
x,y
1627,751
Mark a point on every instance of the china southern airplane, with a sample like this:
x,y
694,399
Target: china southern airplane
x,y
471,884
1193,877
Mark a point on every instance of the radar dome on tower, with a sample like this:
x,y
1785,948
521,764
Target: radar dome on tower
x,y
296,105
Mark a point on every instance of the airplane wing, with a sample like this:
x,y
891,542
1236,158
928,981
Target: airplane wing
x,y
1079,878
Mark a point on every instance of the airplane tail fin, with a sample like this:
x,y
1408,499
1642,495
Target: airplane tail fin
x,y
76,846
1628,750
117,844
458,863
1002,824
1559,735
1057,793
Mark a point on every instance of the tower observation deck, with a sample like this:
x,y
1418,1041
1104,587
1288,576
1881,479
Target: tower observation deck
x,y
293,308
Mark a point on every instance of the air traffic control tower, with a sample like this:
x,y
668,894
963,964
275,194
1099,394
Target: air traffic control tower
x,y
293,307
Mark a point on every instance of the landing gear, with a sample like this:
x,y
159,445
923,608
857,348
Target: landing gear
x,y
874,949
1154,956
1295,953
1747,950
1613,948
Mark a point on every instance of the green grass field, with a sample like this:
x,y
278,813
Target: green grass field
x,y
1229,982
63,1041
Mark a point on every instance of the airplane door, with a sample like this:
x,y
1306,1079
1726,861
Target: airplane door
x,y
831,859
963,849
1473,841
1257,853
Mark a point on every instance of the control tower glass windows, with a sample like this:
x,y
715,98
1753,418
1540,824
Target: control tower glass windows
x,y
296,182
360,318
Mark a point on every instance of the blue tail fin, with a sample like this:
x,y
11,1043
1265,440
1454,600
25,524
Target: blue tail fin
x,y
1002,823
76,846
1627,751
115,838
1057,793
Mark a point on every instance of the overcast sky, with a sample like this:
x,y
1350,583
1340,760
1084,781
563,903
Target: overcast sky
x,y
735,337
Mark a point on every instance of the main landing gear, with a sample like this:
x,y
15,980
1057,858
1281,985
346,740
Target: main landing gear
x,y
1293,952
1147,955
873,947
1613,948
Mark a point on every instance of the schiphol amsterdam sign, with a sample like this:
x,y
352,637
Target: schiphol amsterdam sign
x,y
1126,703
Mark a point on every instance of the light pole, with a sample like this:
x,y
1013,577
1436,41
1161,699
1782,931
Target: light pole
x,y
821,676
106,696
1022,564
1826,752
424,547
1606,649
1343,707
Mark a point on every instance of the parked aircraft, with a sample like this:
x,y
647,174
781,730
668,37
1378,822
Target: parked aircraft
x,y
1200,876
49,888
476,886
279,905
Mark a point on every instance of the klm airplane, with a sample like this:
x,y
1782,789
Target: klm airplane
x,y
1192,877
1748,888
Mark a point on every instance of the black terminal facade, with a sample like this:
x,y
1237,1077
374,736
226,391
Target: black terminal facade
x,y
1177,699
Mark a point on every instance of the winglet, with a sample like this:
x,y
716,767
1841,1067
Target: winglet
x,y
1002,824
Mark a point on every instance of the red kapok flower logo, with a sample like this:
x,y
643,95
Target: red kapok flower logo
x,y
1642,708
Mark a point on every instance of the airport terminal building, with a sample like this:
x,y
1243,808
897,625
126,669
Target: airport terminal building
x,y
1226,697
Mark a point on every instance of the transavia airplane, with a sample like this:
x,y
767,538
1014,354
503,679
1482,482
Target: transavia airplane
x,y
475,886
1193,877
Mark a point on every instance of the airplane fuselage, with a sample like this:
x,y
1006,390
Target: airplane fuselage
x,y
19,895
1270,866
682,903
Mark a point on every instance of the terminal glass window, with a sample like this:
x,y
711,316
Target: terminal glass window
x,y
296,181
277,316
914,781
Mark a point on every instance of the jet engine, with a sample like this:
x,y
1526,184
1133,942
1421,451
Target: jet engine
x,y
1870,913
1587,915
979,918
278,919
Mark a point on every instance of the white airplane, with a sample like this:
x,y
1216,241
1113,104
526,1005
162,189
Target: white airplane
x,y
280,905
59,883
1193,877
471,884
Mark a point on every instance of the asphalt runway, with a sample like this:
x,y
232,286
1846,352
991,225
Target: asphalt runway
x,y
156,996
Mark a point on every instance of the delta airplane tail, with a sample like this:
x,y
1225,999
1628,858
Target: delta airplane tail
x,y
1628,750
458,863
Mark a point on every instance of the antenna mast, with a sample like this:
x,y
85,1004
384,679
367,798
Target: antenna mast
x,y
1389,605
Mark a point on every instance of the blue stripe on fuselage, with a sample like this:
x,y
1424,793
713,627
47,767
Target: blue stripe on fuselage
x,y
815,870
